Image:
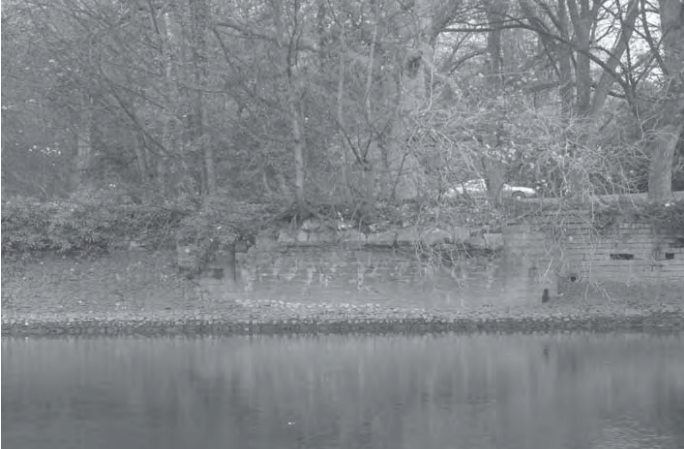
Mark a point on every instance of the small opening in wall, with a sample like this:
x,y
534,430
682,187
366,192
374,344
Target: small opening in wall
x,y
573,277
621,256
669,256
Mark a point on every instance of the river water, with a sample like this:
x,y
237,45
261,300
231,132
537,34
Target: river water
x,y
417,392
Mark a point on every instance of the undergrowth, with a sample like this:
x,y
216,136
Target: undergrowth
x,y
90,225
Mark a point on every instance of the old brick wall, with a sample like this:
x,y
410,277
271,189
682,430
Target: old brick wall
x,y
537,258
627,251
369,273
530,261
379,268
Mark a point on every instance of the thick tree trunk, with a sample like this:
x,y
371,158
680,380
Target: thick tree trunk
x,y
288,49
662,154
582,18
402,161
665,141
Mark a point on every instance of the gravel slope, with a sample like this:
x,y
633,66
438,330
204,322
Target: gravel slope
x,y
272,317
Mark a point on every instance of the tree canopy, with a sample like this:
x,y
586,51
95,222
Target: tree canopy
x,y
341,101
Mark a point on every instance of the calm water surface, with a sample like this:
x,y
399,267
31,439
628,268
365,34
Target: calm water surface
x,y
419,392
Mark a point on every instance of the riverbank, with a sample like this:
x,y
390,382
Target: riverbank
x,y
142,294
248,317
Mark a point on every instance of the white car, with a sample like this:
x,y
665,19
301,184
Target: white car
x,y
478,187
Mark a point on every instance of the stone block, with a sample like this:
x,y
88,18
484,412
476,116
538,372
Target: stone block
x,y
494,240
436,236
352,236
265,241
408,235
311,225
287,236
476,241
460,233
322,236
387,238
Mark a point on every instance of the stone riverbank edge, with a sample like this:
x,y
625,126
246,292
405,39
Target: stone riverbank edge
x,y
278,317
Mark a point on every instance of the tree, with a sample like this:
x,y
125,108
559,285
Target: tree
x,y
671,120
331,100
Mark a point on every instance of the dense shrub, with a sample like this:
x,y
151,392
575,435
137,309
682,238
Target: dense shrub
x,y
93,224
30,226
25,225
222,220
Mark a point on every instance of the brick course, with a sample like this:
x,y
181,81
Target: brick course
x,y
628,251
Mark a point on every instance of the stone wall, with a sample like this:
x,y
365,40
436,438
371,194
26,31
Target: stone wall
x,y
527,263
378,274
627,251
454,267
531,261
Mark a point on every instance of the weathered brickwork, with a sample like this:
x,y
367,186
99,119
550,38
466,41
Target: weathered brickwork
x,y
626,251
376,272
530,258
535,263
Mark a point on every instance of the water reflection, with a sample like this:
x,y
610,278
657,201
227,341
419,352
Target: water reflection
x,y
523,392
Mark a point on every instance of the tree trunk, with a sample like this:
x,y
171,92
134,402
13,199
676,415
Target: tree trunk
x,y
288,50
364,159
402,161
299,147
582,19
660,169
492,160
665,141
170,167
619,49
199,12
141,159
84,148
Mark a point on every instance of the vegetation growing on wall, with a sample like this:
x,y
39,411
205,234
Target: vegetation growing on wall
x,y
565,219
666,218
